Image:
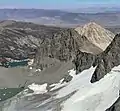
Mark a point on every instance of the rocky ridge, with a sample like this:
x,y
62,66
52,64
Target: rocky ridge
x,y
18,40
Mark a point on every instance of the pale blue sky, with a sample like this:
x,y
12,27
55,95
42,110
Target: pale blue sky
x,y
54,3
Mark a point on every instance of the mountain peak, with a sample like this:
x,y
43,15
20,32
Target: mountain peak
x,y
92,24
96,34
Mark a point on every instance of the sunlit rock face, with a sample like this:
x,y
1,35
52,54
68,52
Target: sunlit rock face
x,y
96,34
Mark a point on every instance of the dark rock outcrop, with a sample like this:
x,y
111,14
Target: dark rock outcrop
x,y
67,78
83,61
104,61
107,60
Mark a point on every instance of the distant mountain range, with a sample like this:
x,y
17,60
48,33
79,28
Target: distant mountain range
x,y
95,9
61,18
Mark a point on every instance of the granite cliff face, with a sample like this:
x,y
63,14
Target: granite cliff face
x,y
96,34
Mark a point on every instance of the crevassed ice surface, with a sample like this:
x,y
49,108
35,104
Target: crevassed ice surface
x,y
86,97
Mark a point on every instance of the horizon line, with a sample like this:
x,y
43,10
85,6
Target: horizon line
x,y
65,8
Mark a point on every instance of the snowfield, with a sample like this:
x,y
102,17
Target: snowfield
x,y
91,97
97,96
88,96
